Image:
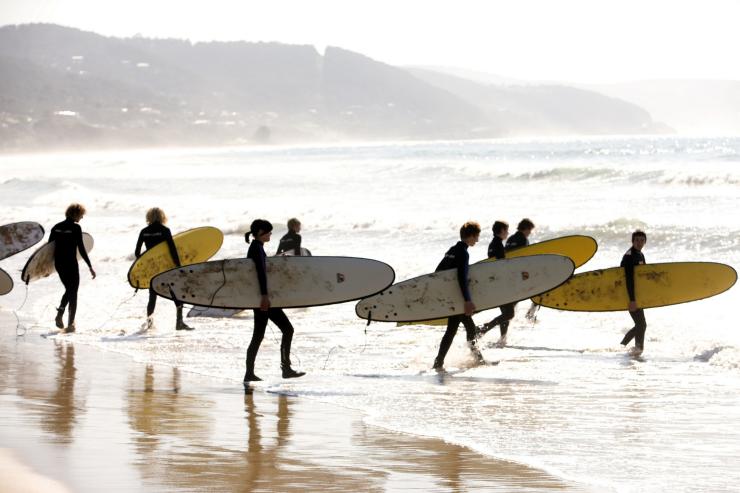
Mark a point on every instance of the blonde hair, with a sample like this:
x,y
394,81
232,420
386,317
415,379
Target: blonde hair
x,y
75,211
156,215
292,223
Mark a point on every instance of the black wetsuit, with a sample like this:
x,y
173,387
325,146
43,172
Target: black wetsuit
x,y
67,236
276,315
631,259
151,236
456,257
290,241
496,250
517,240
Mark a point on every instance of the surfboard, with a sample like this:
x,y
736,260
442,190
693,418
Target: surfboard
x,y
655,285
305,252
491,284
211,312
193,246
579,248
41,263
6,283
292,281
16,237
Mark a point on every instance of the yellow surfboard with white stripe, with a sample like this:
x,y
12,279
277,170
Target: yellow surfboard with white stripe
x,y
655,285
193,246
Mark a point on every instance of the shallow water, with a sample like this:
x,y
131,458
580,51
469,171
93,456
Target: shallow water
x,y
563,396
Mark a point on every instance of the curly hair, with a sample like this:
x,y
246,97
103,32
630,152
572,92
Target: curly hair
x,y
75,211
156,215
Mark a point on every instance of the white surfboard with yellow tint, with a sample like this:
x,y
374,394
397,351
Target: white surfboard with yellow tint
x,y
41,263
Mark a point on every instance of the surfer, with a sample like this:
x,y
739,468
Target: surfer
x,y
155,233
497,250
631,258
261,230
67,236
291,241
457,257
521,237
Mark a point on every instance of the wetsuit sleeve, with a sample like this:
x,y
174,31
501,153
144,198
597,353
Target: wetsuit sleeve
x,y
629,275
280,247
462,274
52,235
172,247
297,244
496,250
139,243
81,247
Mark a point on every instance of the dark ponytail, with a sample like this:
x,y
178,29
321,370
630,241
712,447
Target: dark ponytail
x,y
258,225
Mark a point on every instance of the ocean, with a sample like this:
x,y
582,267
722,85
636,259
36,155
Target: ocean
x,y
563,396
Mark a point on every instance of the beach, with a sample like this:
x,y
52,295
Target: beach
x,y
76,419
561,406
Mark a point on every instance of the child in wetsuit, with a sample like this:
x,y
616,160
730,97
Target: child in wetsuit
x,y
155,233
291,241
457,257
632,258
67,236
261,230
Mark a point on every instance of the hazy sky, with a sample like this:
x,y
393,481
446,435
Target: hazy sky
x,y
569,40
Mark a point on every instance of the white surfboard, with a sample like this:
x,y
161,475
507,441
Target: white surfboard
x,y
291,281
212,312
41,263
16,237
305,252
6,283
491,284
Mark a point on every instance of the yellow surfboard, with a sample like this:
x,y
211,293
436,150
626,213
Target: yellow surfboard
x,y
193,246
655,285
580,249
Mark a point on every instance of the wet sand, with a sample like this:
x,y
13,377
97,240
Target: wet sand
x,y
76,419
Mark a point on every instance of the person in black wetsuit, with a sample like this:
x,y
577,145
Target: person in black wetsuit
x,y
155,233
291,241
521,237
457,257
67,236
632,258
261,230
496,250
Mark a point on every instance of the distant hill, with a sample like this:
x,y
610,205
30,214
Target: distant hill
x,y
66,88
689,106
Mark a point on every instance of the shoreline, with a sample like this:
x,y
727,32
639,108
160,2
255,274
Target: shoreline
x,y
76,416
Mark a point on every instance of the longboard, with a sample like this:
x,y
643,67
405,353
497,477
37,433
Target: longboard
x,y
580,249
6,283
16,237
193,246
655,285
491,284
41,263
291,281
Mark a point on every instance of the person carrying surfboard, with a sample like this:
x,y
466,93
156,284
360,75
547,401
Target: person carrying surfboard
x,y
457,257
155,233
497,250
67,238
632,258
261,230
291,241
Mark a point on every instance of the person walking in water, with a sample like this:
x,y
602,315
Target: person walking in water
x,y
67,238
261,231
290,243
498,250
155,233
632,258
457,257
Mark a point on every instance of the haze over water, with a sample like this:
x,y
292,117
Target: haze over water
x,y
563,396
